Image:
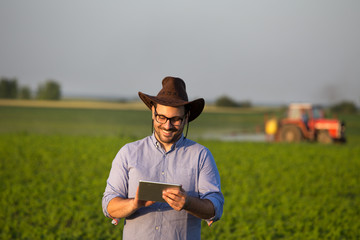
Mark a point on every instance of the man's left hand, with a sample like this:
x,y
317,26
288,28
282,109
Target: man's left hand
x,y
176,198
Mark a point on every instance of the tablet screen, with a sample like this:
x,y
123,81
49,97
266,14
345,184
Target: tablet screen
x,y
152,191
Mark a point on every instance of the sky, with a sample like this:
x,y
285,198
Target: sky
x,y
263,51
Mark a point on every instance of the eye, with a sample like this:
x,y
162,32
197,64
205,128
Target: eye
x,y
162,117
176,119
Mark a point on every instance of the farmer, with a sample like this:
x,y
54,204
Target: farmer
x,y
165,156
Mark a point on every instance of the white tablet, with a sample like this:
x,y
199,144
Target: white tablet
x,y
152,191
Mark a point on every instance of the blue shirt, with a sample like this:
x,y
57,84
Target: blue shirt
x,y
187,163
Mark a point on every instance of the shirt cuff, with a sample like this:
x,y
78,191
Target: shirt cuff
x,y
105,203
218,208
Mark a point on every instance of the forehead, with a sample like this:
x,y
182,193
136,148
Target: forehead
x,y
170,111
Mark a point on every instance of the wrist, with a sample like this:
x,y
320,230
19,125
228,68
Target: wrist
x,y
187,203
134,205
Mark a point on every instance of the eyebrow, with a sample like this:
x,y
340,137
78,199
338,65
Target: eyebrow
x,y
167,116
182,116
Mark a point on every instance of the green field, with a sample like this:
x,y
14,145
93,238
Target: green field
x,y
54,164
107,122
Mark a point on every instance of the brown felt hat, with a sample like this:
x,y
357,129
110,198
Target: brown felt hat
x,y
173,93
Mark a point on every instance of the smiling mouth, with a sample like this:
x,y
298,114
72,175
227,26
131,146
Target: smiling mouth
x,y
168,131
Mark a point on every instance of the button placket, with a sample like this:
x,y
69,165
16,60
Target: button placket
x,y
163,167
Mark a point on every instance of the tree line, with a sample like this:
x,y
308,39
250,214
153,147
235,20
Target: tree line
x,y
226,101
340,107
10,89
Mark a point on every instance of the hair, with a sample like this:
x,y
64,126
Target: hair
x,y
187,107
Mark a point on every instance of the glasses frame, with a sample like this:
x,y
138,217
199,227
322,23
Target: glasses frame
x,y
169,119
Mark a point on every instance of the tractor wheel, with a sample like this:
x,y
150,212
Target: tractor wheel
x,y
290,134
324,137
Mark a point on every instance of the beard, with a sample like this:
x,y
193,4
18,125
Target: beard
x,y
168,136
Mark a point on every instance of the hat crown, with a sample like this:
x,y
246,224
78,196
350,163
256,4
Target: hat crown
x,y
173,94
173,88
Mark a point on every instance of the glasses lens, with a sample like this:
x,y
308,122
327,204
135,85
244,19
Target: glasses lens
x,y
161,119
176,121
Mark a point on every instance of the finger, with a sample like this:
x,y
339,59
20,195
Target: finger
x,y
172,203
175,201
175,191
148,203
166,195
170,198
137,194
175,196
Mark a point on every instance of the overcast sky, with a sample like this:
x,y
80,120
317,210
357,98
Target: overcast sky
x,y
258,50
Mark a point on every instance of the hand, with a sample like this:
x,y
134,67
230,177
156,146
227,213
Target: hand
x,y
141,203
123,207
176,198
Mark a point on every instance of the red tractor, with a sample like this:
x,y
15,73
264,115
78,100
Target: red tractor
x,y
306,122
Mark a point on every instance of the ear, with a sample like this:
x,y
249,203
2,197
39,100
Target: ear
x,y
153,112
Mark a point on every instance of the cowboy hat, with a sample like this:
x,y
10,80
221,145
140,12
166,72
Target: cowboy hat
x,y
173,93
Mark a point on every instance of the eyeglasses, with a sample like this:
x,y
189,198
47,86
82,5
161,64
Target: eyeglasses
x,y
175,121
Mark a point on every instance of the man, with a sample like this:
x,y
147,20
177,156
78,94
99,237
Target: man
x,y
165,156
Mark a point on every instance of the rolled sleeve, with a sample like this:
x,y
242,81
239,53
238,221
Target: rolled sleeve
x,y
209,185
116,185
217,200
107,197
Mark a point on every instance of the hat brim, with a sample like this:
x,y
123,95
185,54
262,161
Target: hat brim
x,y
196,106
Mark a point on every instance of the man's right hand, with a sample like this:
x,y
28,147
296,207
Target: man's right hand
x,y
141,203
123,207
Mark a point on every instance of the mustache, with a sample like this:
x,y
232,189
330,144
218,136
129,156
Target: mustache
x,y
172,129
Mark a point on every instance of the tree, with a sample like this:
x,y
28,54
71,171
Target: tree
x,y
344,107
225,101
245,104
8,88
24,93
49,91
